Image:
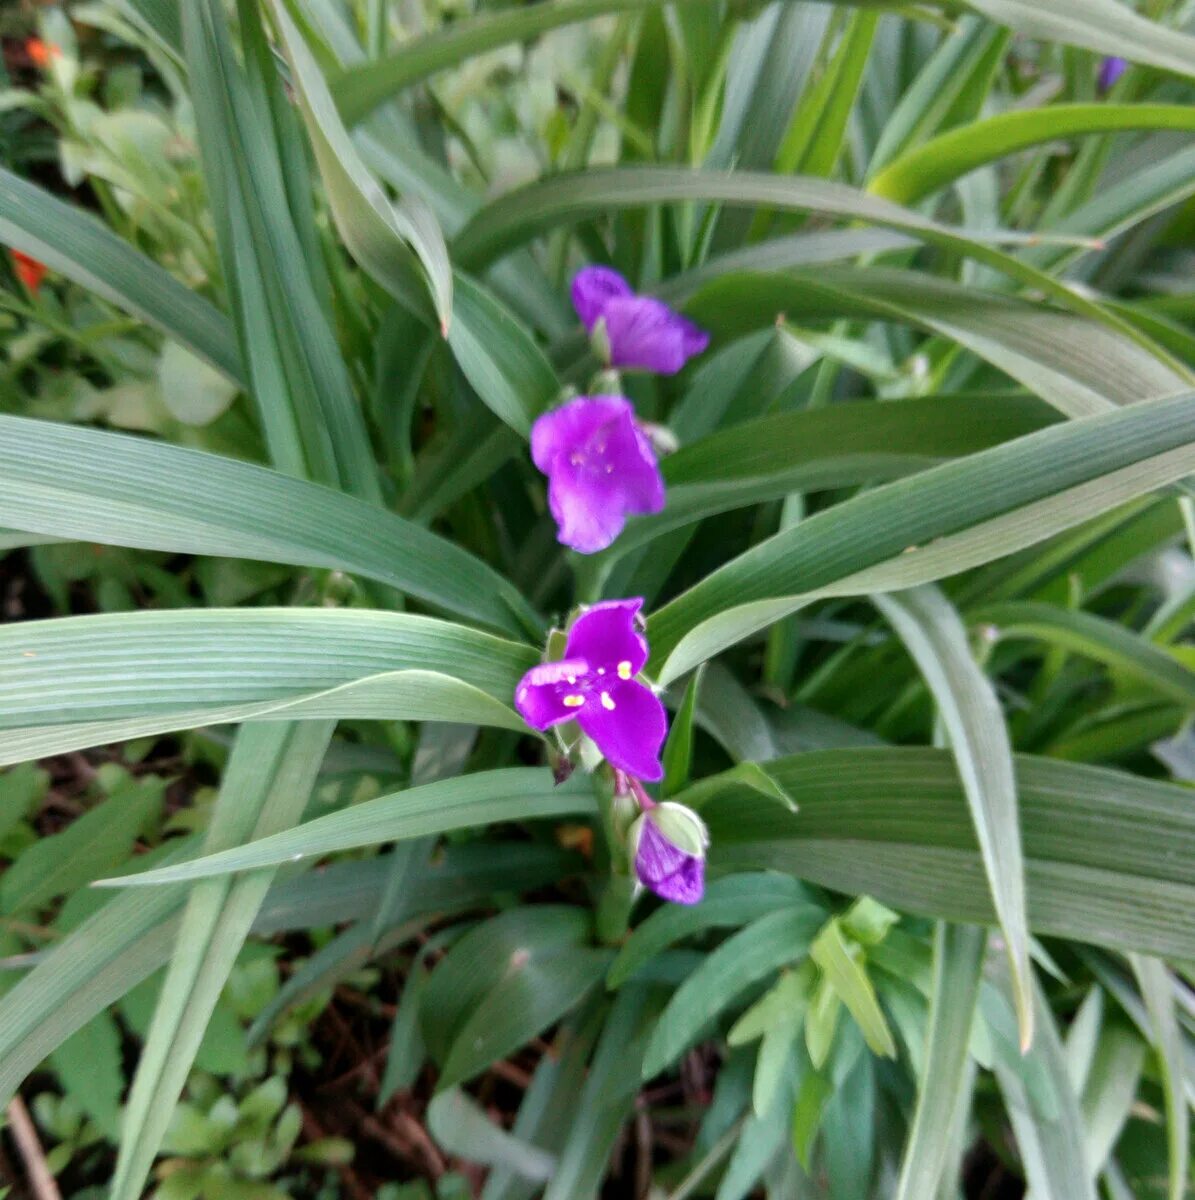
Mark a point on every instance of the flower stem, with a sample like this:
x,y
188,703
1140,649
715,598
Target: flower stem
x,y
618,894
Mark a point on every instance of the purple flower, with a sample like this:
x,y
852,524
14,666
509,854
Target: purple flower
x,y
594,685
669,843
1110,71
600,467
638,333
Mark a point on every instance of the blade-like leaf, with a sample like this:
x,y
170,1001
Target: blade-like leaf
x,y
770,942
938,523
1106,26
60,683
489,797
1157,989
1052,1149
949,156
569,197
958,961
380,233
978,737
727,903
62,481
266,786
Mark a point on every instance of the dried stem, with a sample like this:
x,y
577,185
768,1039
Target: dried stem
x,y
41,1182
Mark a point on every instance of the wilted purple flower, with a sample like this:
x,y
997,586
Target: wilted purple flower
x,y
594,685
1111,69
600,468
669,843
637,332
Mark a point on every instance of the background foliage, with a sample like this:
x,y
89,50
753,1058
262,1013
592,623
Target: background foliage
x,y
273,557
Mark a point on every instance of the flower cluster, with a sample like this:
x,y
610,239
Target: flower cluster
x,y
602,467
596,685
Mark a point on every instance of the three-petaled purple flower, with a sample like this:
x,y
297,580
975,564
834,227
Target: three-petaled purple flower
x,y
600,467
1111,69
595,685
638,332
668,844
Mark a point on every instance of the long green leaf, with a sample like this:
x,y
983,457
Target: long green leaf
x,y
380,233
1052,1148
489,797
953,517
569,197
297,375
1106,26
1157,990
265,787
82,681
727,903
949,156
837,446
766,944
935,636
1095,637
1070,361
62,481
958,960
1107,855
361,89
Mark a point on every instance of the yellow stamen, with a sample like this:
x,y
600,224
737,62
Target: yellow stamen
x,y
573,701
607,703
624,669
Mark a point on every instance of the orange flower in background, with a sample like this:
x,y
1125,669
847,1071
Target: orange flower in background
x,y
29,270
41,53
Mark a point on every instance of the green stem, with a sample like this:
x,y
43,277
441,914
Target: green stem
x,y
618,895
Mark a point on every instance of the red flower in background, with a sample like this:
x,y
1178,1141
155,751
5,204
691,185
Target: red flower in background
x,y
29,270
41,54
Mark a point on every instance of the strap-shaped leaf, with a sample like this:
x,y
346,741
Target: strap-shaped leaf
x,y
837,446
1107,856
68,482
966,701
362,88
569,197
1068,360
266,786
86,680
488,797
958,960
1106,26
380,233
949,156
935,524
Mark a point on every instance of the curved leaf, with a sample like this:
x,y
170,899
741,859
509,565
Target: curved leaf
x,y
1107,855
966,701
953,517
67,482
488,797
933,164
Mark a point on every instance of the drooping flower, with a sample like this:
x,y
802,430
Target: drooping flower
x,y
600,468
29,271
1111,69
636,332
595,685
668,845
